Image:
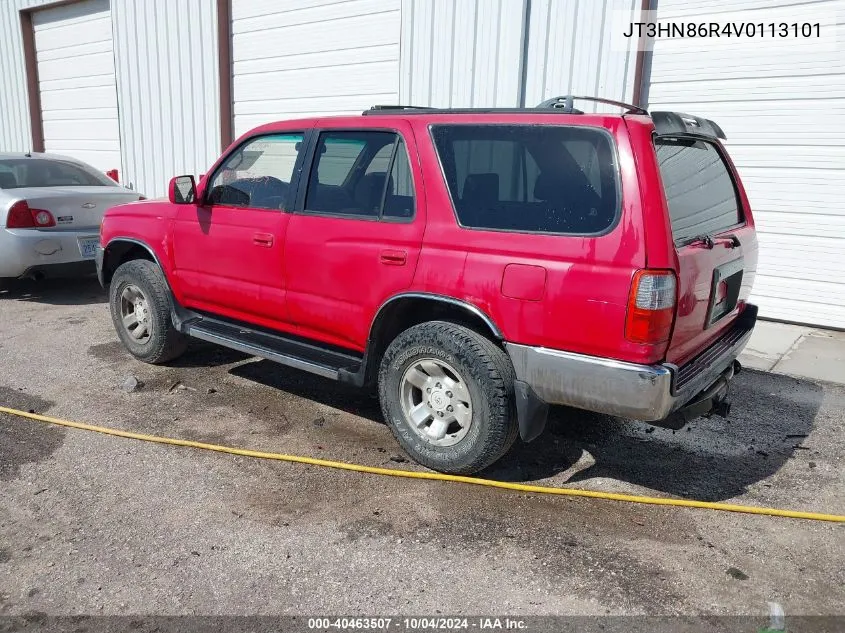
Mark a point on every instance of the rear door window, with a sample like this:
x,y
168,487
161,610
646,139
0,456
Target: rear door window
x,y
364,174
699,189
534,178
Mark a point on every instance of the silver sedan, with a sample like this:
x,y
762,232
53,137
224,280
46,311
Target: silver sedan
x,y
50,212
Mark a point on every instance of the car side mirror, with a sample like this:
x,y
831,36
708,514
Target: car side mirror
x,y
182,190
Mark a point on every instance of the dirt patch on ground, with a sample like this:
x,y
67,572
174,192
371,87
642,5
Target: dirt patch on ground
x,y
25,441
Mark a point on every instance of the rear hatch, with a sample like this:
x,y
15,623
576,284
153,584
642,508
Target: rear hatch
x,y
714,239
78,208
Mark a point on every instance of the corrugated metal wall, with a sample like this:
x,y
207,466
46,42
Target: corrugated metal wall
x,y
468,53
569,52
461,54
168,89
506,53
768,95
15,135
167,85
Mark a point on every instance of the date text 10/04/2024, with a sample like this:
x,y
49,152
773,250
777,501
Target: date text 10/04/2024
x,y
416,623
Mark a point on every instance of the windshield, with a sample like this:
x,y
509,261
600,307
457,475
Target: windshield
x,y
16,173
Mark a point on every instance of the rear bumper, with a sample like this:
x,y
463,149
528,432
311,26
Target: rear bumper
x,y
649,393
25,252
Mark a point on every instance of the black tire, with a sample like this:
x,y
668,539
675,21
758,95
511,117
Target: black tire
x,y
164,342
488,373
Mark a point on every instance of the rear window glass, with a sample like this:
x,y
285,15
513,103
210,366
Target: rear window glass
x,y
39,172
699,189
544,179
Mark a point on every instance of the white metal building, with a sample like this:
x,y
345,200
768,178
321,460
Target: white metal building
x,y
782,108
131,85
156,88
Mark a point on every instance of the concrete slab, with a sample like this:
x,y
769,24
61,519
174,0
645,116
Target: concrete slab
x,y
820,355
769,342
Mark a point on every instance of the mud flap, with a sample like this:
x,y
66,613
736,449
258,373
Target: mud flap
x,y
531,411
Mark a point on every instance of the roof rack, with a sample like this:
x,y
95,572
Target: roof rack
x,y
388,109
666,123
564,104
376,108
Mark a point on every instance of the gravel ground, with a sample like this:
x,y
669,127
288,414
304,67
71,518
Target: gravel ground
x,y
91,524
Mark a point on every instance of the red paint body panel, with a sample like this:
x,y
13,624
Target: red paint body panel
x,y
231,260
337,278
342,269
325,277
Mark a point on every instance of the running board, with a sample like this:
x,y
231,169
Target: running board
x,y
275,347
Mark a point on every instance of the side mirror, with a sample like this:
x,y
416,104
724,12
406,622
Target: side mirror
x,y
182,190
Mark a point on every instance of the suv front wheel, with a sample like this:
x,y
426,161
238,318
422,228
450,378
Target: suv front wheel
x,y
140,308
447,394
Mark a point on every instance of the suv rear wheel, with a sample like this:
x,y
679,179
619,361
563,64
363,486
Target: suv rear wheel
x,y
140,308
447,394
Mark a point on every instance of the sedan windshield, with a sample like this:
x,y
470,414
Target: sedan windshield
x,y
40,172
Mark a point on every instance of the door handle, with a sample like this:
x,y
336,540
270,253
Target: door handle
x,y
262,239
393,258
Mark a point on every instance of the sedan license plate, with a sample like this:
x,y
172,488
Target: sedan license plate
x,y
88,246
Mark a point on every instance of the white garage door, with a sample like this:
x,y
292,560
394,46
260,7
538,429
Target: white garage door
x,y
782,107
73,45
300,58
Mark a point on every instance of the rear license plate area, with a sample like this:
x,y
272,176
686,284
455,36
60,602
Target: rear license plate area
x,y
724,291
88,246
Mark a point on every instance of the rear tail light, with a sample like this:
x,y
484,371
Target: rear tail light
x,y
651,307
113,174
21,216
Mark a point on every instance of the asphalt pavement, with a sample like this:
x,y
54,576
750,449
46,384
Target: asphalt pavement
x,y
91,524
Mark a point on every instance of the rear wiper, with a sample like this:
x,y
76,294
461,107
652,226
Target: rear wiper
x,y
709,242
699,239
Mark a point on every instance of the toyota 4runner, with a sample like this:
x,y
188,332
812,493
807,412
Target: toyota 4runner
x,y
474,265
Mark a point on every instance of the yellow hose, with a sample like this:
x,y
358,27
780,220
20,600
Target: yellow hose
x,y
390,472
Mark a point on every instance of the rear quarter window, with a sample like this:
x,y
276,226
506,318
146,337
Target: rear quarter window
x,y
699,189
530,178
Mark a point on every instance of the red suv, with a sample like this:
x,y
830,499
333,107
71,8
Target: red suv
x,y
475,265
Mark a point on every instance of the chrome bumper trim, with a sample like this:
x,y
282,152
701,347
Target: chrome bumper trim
x,y
629,390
